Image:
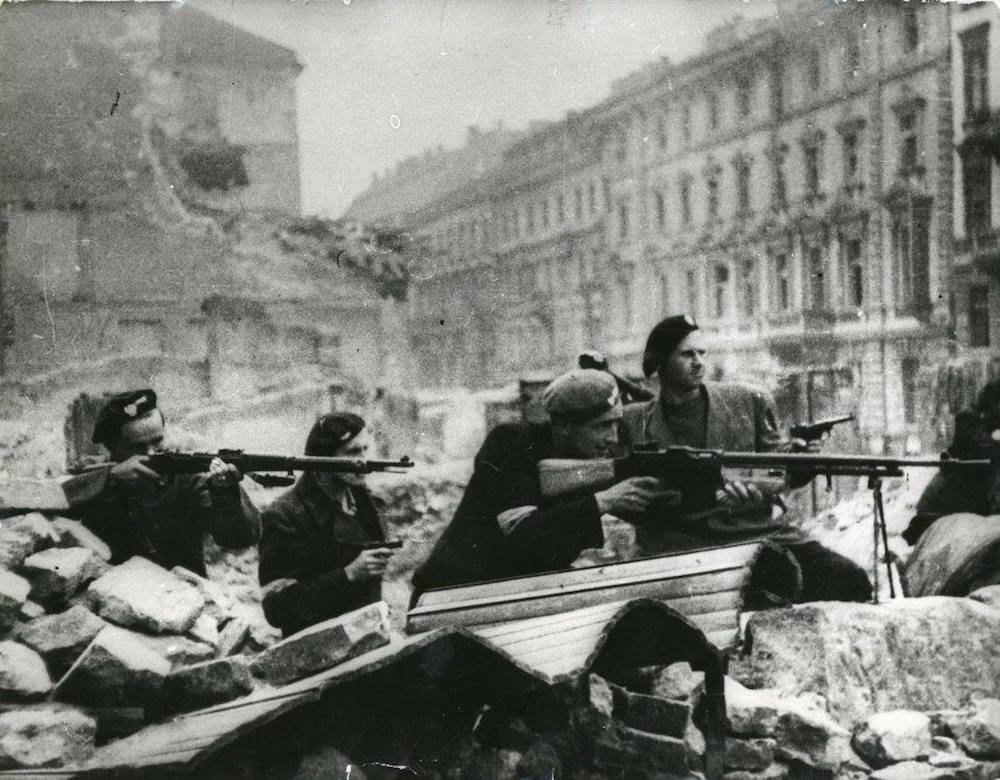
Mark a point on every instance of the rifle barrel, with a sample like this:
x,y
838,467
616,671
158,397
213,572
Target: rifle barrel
x,y
847,464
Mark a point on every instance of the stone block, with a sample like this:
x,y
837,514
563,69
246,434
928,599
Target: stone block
x,y
802,732
918,770
23,676
73,533
116,669
324,645
233,636
205,630
35,527
14,548
58,573
60,638
45,736
14,592
31,610
678,681
978,731
178,650
601,697
891,737
217,600
773,772
918,654
202,685
139,594
649,713
752,754
655,751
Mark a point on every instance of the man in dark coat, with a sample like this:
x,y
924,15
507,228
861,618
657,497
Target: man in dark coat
x,y
502,527
313,564
688,411
977,431
140,512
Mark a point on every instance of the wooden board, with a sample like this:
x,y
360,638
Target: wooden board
x,y
693,582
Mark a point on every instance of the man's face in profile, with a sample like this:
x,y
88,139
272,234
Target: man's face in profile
x,y
358,447
141,436
597,438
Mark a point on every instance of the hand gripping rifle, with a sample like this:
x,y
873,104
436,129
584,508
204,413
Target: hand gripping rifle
x,y
176,462
697,474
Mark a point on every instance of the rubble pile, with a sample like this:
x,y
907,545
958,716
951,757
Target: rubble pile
x,y
89,651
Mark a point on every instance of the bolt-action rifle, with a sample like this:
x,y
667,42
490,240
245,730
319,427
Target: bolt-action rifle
x,y
175,462
697,475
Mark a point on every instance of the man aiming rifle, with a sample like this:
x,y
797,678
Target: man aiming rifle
x,y
690,411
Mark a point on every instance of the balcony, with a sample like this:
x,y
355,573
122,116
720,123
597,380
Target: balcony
x,y
980,251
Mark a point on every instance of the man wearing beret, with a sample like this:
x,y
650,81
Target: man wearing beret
x,y
690,411
502,527
314,564
140,512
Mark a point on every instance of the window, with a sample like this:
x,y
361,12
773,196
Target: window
x,y
560,208
911,30
851,158
719,288
976,192
578,204
854,274
660,207
813,162
782,296
544,206
979,316
606,185
661,132
778,89
592,197
780,188
742,187
693,298
686,123
712,187
748,286
911,249
686,201
908,148
813,70
621,149
623,219
909,369
713,111
817,278
530,213
852,54
744,95
975,71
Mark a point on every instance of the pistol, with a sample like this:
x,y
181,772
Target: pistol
x,y
813,431
392,544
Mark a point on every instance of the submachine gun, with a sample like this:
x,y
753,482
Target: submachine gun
x,y
697,474
175,462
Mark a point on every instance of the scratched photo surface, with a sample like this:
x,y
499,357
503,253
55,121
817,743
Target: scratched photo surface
x,y
424,212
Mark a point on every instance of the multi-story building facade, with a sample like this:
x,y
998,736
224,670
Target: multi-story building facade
x,y
976,88
791,187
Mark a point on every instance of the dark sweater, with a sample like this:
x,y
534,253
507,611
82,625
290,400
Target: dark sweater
x,y
473,548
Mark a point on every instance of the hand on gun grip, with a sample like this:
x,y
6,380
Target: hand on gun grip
x,y
369,565
629,497
133,471
738,492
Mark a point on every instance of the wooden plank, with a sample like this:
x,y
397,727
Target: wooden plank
x,y
606,575
671,592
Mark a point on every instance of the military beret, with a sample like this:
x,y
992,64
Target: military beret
x,y
121,409
333,431
581,395
663,340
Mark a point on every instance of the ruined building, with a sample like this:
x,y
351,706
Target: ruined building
x,y
151,208
796,187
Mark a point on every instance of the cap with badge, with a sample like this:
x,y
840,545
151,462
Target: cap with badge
x,y
119,410
663,340
331,432
581,395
